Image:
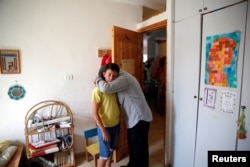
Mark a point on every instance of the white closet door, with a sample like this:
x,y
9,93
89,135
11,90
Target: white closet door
x,y
217,120
186,83
215,4
188,8
245,97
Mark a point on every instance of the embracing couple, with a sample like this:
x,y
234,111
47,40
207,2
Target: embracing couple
x,y
113,83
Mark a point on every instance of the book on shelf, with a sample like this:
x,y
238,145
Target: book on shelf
x,y
49,122
45,151
34,150
63,158
43,144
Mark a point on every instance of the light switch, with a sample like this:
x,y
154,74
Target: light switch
x,y
68,77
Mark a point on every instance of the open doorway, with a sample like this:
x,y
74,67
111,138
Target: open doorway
x,y
154,60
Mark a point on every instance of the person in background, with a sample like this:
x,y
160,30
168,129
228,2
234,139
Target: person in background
x,y
158,73
106,113
137,115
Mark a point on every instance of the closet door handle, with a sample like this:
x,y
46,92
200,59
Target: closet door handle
x,y
243,107
200,99
195,97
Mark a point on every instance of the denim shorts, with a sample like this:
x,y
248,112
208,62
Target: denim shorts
x,y
106,147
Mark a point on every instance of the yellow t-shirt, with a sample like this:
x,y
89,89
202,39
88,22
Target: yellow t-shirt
x,y
109,111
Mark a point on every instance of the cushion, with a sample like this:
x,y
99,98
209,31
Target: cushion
x,y
6,155
3,145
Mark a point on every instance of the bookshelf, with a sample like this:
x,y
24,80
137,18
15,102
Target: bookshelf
x,y
49,134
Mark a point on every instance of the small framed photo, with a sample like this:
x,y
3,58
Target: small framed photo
x,y
210,97
10,61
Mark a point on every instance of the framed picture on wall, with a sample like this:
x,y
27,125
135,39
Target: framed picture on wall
x,y
10,61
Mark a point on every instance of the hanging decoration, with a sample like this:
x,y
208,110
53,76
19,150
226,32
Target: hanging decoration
x,y
241,132
16,92
106,59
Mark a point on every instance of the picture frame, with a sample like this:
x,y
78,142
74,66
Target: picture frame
x,y
102,52
10,61
210,97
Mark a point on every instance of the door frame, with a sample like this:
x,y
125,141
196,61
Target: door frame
x,y
156,26
153,27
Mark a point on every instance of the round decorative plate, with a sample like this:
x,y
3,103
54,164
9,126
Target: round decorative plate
x,y
16,92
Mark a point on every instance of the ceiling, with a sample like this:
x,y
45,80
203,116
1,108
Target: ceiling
x,y
159,5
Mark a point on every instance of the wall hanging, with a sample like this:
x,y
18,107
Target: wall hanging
x,y
16,92
10,61
102,52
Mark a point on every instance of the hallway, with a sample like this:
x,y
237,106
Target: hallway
x,y
156,146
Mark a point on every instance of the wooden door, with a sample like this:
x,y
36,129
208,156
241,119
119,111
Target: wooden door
x,y
127,53
219,103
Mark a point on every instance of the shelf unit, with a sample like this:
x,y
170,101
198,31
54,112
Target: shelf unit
x,y
49,134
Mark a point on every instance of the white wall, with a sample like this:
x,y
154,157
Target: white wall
x,y
56,37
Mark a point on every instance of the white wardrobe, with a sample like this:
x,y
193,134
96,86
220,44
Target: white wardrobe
x,y
202,124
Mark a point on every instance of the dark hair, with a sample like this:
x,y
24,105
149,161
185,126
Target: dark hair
x,y
111,66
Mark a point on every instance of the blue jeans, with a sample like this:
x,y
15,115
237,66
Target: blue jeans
x,y
106,147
